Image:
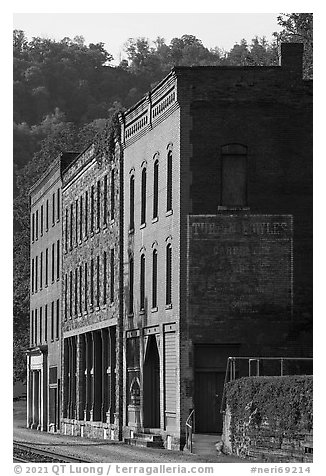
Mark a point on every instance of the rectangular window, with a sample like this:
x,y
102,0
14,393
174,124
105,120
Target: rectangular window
x,y
92,282
58,320
32,328
36,273
70,294
76,221
46,323
32,277
53,209
41,270
234,180
66,229
80,289
41,327
86,214
58,259
98,281
104,277
46,266
92,209
105,200
52,320
98,204
36,225
131,285
33,227
66,296
112,194
42,218
81,218
53,262
58,204
71,224
86,289
112,275
47,215
35,327
76,291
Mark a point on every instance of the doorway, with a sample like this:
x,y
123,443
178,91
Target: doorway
x,y
151,385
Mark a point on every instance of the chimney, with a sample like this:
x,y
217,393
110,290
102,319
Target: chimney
x,y
291,57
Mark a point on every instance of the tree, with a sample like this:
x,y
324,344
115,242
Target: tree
x,y
298,27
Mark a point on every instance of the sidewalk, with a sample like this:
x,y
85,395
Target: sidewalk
x,y
104,451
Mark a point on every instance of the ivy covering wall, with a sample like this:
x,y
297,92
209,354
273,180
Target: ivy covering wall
x,y
271,412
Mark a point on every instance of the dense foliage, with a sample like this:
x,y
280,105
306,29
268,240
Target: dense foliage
x,y
65,93
279,406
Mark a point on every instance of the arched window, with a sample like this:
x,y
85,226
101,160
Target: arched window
x,y
169,182
142,282
154,279
168,289
155,190
132,203
143,197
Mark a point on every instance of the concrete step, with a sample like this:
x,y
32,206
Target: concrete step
x,y
144,443
147,436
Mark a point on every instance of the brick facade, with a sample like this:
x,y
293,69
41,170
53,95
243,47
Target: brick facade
x,y
225,143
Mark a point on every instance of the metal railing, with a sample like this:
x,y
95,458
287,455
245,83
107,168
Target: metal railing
x,y
190,428
238,367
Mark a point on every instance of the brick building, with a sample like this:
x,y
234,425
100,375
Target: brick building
x,y
92,296
43,356
192,244
217,236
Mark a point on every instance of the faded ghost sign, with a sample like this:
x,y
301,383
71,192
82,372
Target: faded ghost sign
x,y
240,263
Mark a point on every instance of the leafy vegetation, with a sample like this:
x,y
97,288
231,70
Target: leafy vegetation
x,y
65,93
278,406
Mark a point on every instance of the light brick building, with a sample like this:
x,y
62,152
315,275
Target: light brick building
x,y
44,354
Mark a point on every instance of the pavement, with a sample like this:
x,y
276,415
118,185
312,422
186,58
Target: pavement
x,y
104,451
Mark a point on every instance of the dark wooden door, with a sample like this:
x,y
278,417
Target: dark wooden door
x,y
208,395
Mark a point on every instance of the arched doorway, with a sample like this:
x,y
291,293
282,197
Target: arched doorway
x,y
151,385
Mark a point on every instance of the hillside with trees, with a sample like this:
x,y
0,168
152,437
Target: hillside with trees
x,y
64,94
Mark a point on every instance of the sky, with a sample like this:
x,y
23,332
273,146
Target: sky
x,y
113,29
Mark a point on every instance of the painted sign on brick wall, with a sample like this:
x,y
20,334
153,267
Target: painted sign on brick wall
x,y
240,264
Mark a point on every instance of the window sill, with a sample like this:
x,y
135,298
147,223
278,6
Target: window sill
x,y
130,315
131,231
154,220
154,309
105,225
221,208
169,213
86,238
141,312
168,306
143,225
97,230
112,221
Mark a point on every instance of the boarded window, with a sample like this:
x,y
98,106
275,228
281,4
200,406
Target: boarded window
x,y
234,175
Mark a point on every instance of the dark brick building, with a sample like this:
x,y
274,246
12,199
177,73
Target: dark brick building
x,y
208,253
217,235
